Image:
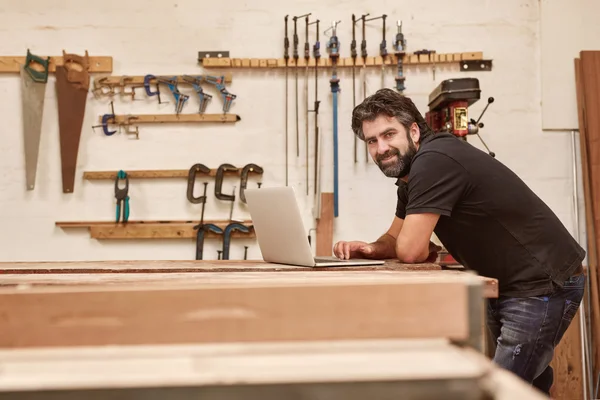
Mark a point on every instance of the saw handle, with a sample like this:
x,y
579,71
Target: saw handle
x,y
37,76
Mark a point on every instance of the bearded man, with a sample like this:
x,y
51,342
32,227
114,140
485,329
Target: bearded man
x,y
488,220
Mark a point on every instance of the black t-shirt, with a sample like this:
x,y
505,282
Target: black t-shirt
x,y
490,221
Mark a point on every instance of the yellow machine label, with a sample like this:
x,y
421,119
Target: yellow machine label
x,y
461,120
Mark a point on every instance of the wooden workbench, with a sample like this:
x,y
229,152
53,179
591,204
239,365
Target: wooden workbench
x,y
156,271
111,302
165,301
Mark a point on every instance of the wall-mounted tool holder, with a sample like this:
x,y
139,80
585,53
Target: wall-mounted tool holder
x,y
375,61
72,79
171,229
166,173
132,86
15,63
130,121
104,230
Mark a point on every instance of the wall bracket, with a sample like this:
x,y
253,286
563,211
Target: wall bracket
x,y
475,65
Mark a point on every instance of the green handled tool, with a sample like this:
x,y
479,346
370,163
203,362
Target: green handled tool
x,y
33,88
121,194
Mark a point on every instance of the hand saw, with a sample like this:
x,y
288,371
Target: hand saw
x,y
72,85
33,87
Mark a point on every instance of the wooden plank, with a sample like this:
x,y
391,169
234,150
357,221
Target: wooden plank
x,y
325,226
220,274
593,317
568,371
348,370
390,268
171,118
149,266
408,59
97,63
151,229
159,174
157,231
234,312
476,55
588,83
138,80
86,224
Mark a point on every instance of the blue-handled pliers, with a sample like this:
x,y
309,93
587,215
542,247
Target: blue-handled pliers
x,y
122,196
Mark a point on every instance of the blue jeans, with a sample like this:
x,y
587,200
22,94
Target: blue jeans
x,y
526,330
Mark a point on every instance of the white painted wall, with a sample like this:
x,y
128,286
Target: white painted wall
x,y
163,37
567,28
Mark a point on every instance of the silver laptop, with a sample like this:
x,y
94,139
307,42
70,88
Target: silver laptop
x,y
281,235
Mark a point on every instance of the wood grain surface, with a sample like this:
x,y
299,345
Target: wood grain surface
x,y
115,272
428,365
242,310
190,266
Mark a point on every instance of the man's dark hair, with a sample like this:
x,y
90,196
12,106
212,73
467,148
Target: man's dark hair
x,y
392,104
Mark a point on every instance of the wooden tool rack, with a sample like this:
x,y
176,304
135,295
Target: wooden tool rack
x,y
146,229
467,61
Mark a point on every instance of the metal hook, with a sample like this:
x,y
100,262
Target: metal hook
x,y
333,27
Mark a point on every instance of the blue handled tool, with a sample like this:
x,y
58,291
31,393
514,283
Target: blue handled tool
x,y
121,194
334,53
149,92
180,98
106,118
219,82
203,97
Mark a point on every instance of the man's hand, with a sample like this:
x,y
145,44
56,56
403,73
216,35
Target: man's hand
x,y
355,249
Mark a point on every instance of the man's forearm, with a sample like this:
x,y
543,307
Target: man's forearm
x,y
384,247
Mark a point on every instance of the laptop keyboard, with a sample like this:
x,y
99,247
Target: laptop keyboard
x,y
329,260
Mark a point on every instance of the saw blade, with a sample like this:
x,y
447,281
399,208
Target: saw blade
x,y
71,95
33,94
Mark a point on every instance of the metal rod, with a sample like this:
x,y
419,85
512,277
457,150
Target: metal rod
x,y
317,56
354,54
286,56
363,48
333,46
296,57
232,204
307,58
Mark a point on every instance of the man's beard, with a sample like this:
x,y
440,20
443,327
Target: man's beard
x,y
401,167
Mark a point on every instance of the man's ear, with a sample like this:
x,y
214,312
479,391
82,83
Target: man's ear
x,y
415,133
